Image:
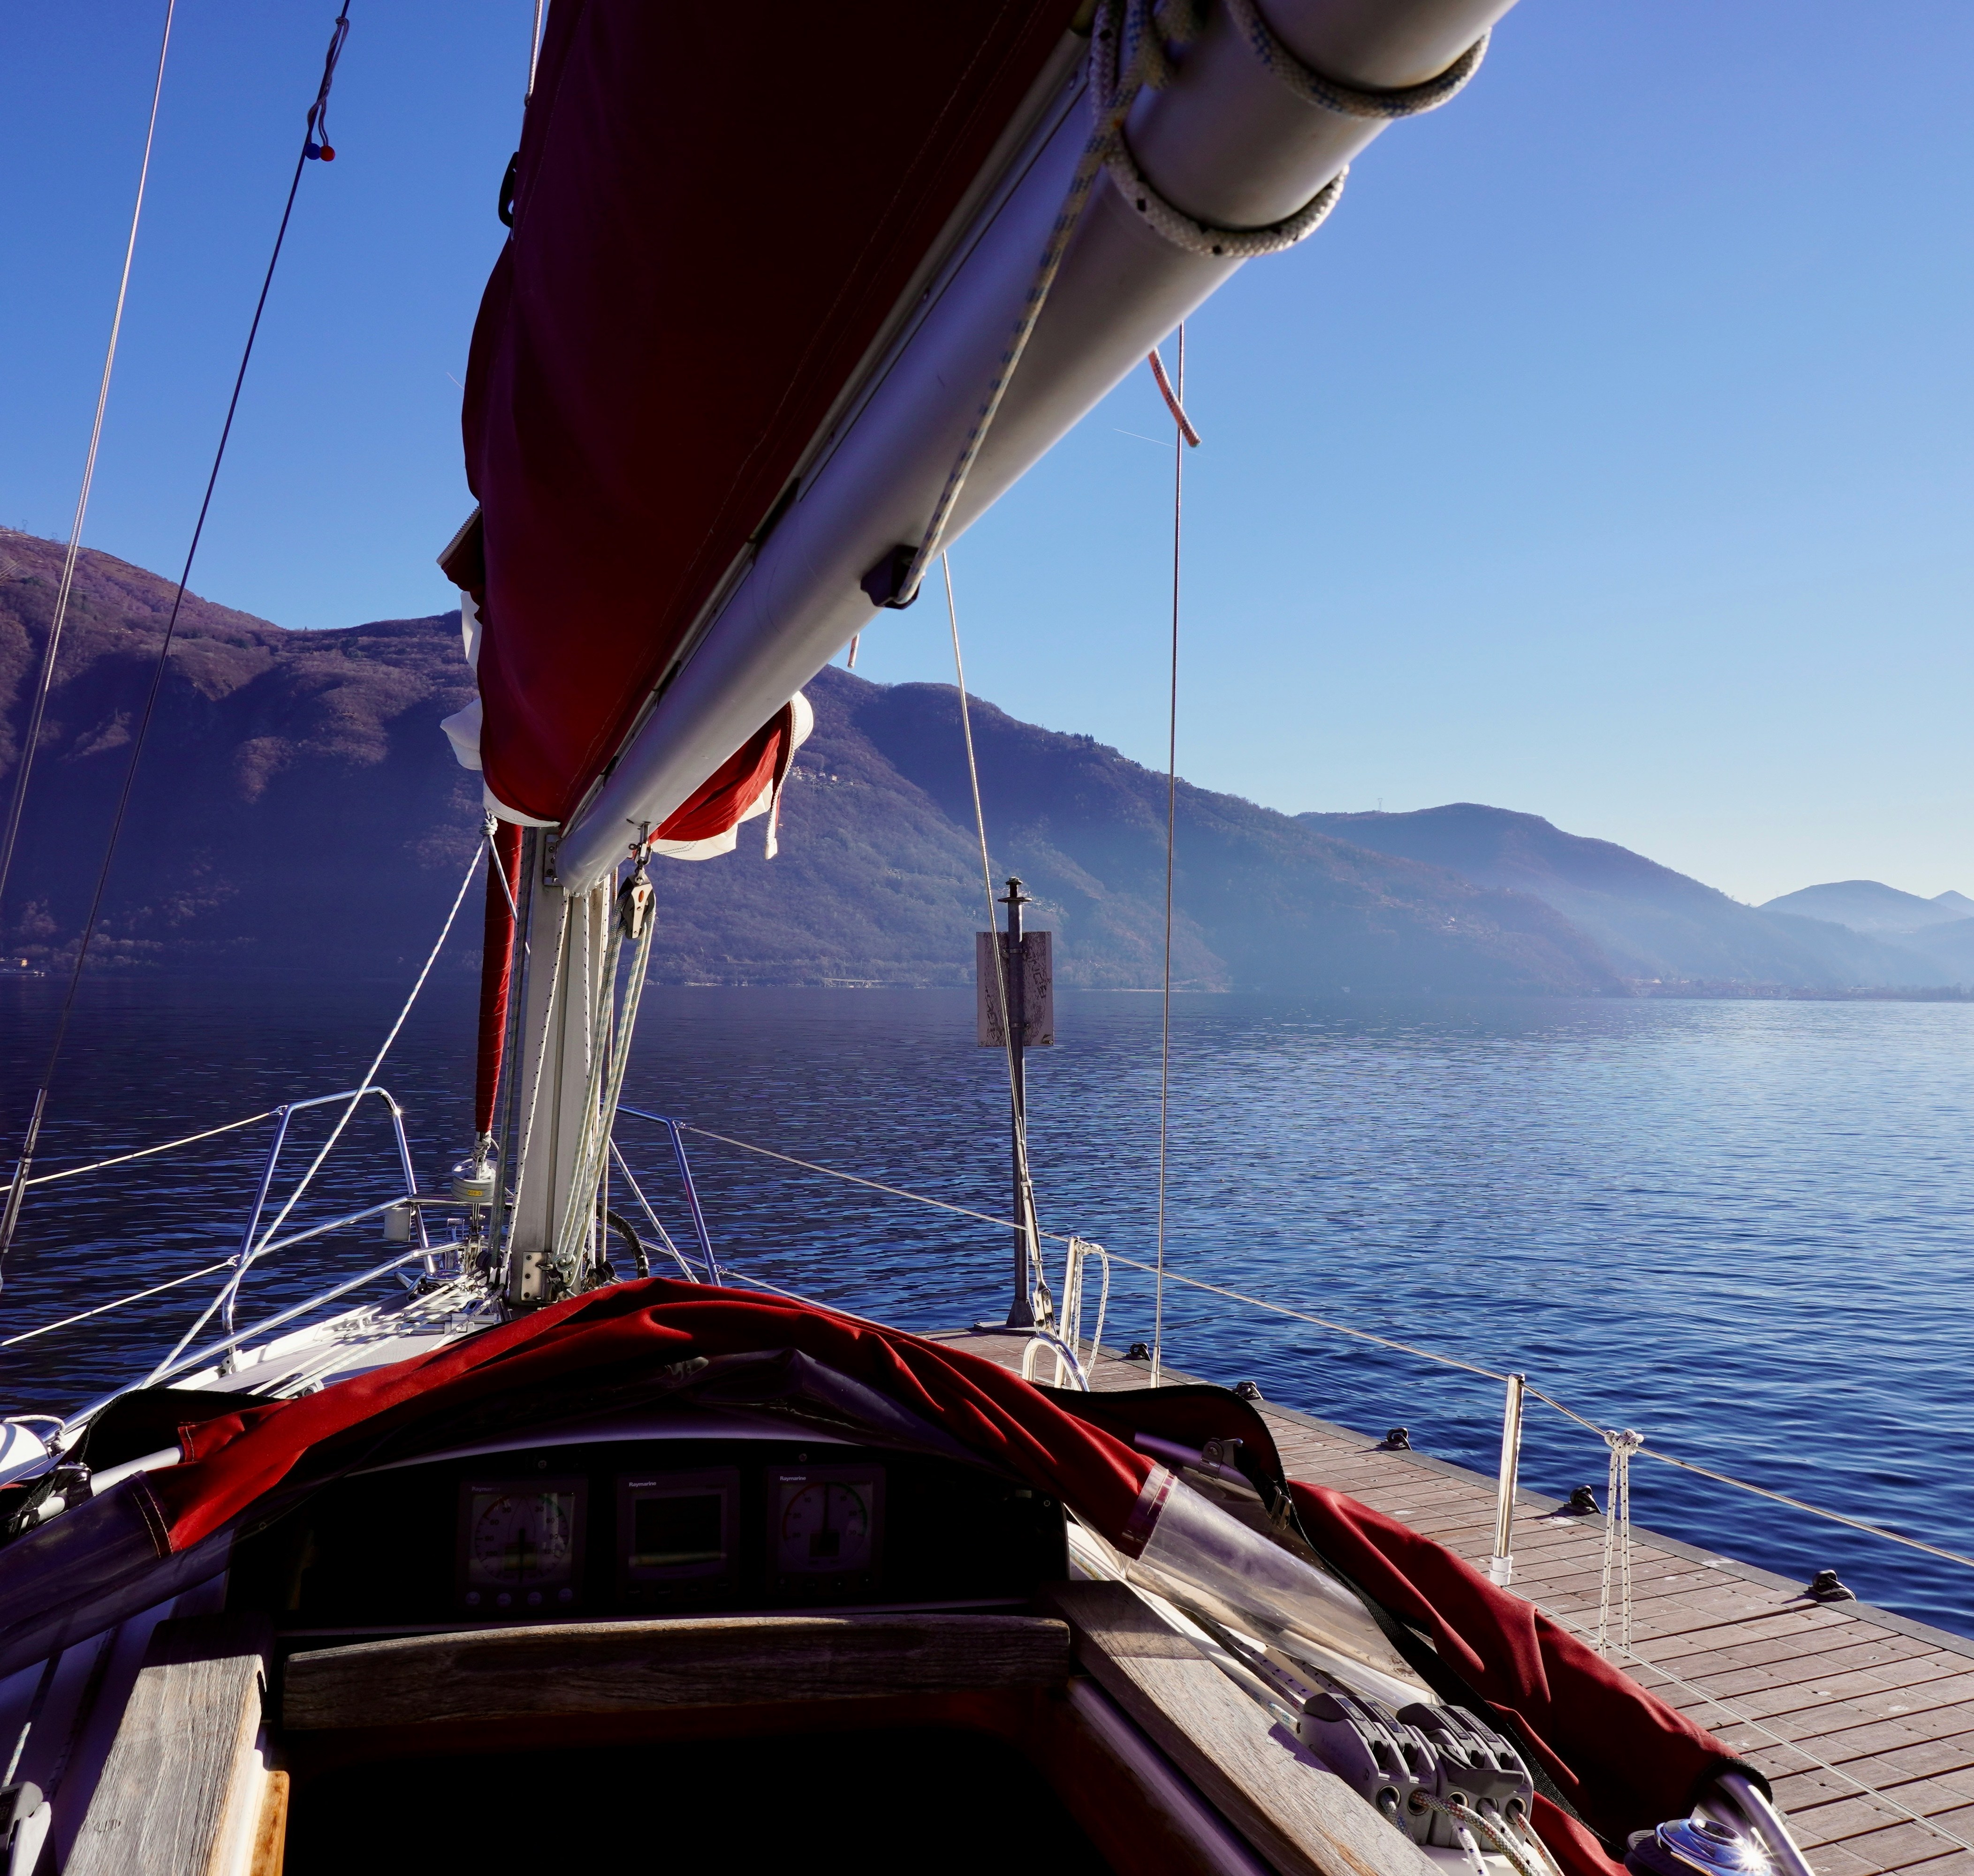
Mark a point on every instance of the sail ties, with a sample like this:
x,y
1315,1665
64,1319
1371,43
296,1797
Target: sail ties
x,y
1133,44
1149,26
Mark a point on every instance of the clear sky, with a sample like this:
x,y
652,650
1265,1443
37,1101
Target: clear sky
x,y
1606,457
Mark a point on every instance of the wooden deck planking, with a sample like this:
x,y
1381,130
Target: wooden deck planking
x,y
1781,1680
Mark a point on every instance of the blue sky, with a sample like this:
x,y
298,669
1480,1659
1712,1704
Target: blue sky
x,y
1606,457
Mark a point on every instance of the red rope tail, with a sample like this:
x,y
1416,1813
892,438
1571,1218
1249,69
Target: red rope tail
x,y
497,971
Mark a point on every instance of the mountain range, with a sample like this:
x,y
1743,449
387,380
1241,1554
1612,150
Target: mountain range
x,y
298,809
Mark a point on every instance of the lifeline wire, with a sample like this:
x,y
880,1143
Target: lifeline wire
x,y
318,117
45,679
253,1253
1183,434
103,1309
144,1153
1344,1329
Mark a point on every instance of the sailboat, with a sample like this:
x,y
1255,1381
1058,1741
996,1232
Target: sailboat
x,y
553,1557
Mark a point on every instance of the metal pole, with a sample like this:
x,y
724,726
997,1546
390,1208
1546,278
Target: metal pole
x,y
1021,1314
713,1274
1501,1565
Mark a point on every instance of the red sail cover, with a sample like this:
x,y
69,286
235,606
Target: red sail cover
x,y
1625,1759
716,209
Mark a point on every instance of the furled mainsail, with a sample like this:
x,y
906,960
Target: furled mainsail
x,y
716,210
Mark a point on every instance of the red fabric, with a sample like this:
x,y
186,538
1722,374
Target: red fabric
x,y
717,208
232,1461
1623,1757
733,788
496,970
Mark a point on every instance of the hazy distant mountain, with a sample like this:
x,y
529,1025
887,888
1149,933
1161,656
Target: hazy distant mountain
x,y
299,807
1865,905
879,863
1651,922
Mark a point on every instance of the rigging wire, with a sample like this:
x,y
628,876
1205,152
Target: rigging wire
x,y
534,48
1028,1227
315,147
1184,436
251,1254
44,680
1336,1328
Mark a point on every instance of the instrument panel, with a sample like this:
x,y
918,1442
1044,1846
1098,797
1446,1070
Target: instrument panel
x,y
647,1527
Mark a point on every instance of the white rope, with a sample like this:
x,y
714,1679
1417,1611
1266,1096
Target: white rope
x,y
1617,1537
1205,237
144,1153
1463,1819
1351,100
1018,1107
45,679
1076,1261
1180,428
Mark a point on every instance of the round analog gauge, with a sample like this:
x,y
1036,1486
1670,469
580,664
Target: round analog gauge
x,y
523,1537
826,1525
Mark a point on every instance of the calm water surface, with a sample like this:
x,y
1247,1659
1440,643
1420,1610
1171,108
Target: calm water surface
x,y
1743,1228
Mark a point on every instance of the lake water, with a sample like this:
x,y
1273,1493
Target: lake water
x,y
1743,1228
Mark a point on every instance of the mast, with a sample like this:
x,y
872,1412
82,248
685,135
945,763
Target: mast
x,y
566,979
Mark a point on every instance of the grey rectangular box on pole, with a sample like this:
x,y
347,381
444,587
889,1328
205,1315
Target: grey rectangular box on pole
x,y
1037,990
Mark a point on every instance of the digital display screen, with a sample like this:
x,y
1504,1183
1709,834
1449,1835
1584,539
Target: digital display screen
x,y
827,1522
669,1531
678,1529
521,1546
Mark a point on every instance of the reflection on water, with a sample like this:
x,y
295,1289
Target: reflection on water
x,y
1741,1227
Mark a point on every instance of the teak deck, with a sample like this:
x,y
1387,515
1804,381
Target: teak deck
x,y
1877,1698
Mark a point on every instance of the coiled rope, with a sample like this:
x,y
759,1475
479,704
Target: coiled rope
x,y
1351,100
1623,1443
